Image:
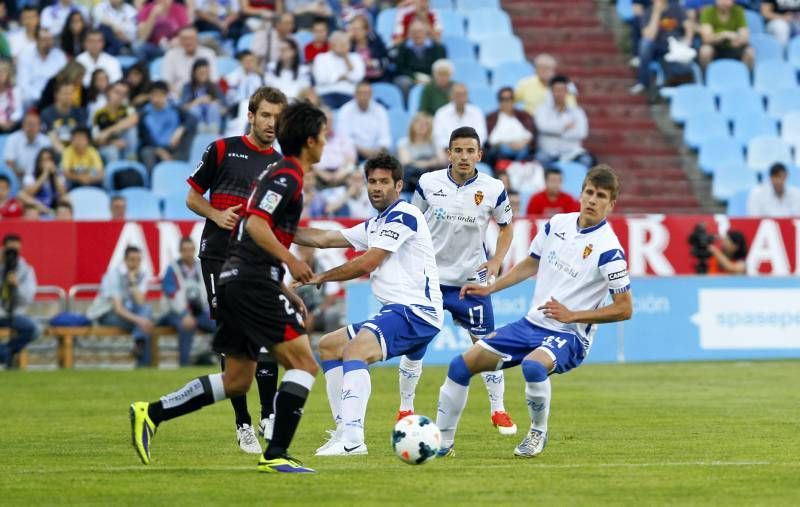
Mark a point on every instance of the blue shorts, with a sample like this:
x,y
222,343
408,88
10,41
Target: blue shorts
x,y
513,342
399,331
473,313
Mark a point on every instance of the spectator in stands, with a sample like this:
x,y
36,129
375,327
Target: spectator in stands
x,y
533,91
638,9
260,13
24,39
22,147
723,29
178,63
336,72
41,63
74,34
775,198
351,201
138,79
122,302
307,11
562,128
221,16
366,123
96,58
185,299
165,131
18,291
664,19
10,99
10,207
512,132
310,95
730,256
54,17
339,155
81,162
552,199
97,93
244,80
114,125
319,42
437,93
72,73
158,22
418,152
419,11
203,98
782,17
61,118
458,113
117,20
64,211
118,207
288,73
31,213
515,201
369,45
415,56
313,203
267,41
45,187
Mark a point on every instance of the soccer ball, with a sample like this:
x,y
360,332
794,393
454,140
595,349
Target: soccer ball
x,y
416,439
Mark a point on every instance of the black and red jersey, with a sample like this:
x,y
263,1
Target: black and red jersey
x,y
228,170
278,199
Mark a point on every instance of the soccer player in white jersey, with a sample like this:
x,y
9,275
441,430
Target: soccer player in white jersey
x,y
401,263
458,203
577,260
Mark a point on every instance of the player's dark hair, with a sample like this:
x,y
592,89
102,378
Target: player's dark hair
x,y
464,133
11,236
268,93
95,31
602,176
777,169
559,79
241,54
29,7
83,130
737,238
161,86
505,89
384,161
552,170
132,249
184,240
296,124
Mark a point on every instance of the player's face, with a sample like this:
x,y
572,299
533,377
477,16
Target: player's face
x,y
187,252
262,124
382,189
596,204
133,261
316,146
464,153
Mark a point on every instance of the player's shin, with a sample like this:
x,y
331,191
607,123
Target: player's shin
x,y
289,402
452,399
193,396
495,386
537,393
356,388
333,371
267,380
409,371
239,404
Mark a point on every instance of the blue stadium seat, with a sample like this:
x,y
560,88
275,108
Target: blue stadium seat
x,y
470,73
774,75
484,168
766,47
126,61
730,179
226,65
487,21
155,68
483,97
453,23
790,128
755,22
500,49
175,207
384,25
469,5
718,152
3,139
13,181
793,52
509,73
747,126
737,101
90,203
398,124
441,4
303,37
763,151
691,98
725,74
119,165
170,177
244,42
199,144
414,96
781,102
737,204
574,174
388,94
459,48
702,126
625,10
141,204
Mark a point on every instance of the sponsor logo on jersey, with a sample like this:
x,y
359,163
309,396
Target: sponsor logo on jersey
x,y
507,208
229,273
238,155
281,181
443,214
270,201
560,265
587,250
478,197
440,193
618,275
390,234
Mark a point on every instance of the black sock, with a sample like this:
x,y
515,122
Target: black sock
x,y
267,380
193,396
239,404
289,404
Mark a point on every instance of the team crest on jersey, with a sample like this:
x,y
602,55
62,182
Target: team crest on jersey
x,y
478,197
587,251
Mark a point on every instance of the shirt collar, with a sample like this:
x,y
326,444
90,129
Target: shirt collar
x,y
589,229
450,167
387,210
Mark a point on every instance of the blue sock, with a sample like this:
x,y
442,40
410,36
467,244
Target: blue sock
x,y
533,371
354,364
458,371
330,364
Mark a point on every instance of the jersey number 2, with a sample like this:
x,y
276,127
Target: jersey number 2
x,y
290,309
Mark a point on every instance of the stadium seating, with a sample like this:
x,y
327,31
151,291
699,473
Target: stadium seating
x,y
746,126
170,176
774,75
484,98
120,165
126,61
414,96
90,203
470,73
793,52
691,98
482,22
731,179
155,68
199,144
737,204
780,102
453,23
509,73
398,124
755,23
244,42
441,4
459,47
625,10
500,49
175,207
14,183
384,24
388,94
3,139
226,65
702,126
141,204
790,128
303,38
469,5
726,74
737,101
763,151
574,174
484,168
766,47
716,153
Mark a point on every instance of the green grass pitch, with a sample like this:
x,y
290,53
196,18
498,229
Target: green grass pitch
x,y
705,433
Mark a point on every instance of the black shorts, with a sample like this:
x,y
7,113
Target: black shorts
x,y
727,52
211,269
254,315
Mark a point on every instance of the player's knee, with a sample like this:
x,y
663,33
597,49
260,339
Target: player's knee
x,y
533,371
236,385
458,371
329,348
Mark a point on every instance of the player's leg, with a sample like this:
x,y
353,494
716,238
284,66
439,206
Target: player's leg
x,y
331,349
409,372
267,382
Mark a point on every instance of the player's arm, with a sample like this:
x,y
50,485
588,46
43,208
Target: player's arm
x,y
503,244
520,272
261,231
355,268
621,308
320,238
199,182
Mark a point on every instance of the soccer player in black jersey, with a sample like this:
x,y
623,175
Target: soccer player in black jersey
x,y
228,170
256,308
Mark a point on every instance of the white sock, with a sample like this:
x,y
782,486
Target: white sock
x,y
410,372
495,386
356,388
333,385
452,400
537,394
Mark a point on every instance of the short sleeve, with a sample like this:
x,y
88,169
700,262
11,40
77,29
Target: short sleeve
x,y
396,229
418,199
357,236
502,209
537,245
614,267
274,191
203,175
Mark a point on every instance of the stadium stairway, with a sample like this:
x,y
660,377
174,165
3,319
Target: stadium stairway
x,y
622,132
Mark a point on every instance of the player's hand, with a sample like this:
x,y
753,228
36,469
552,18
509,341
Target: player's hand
x,y
492,268
315,280
553,309
300,271
473,289
297,302
145,325
228,218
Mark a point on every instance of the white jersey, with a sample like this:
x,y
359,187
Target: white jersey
x,y
458,216
578,267
409,275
